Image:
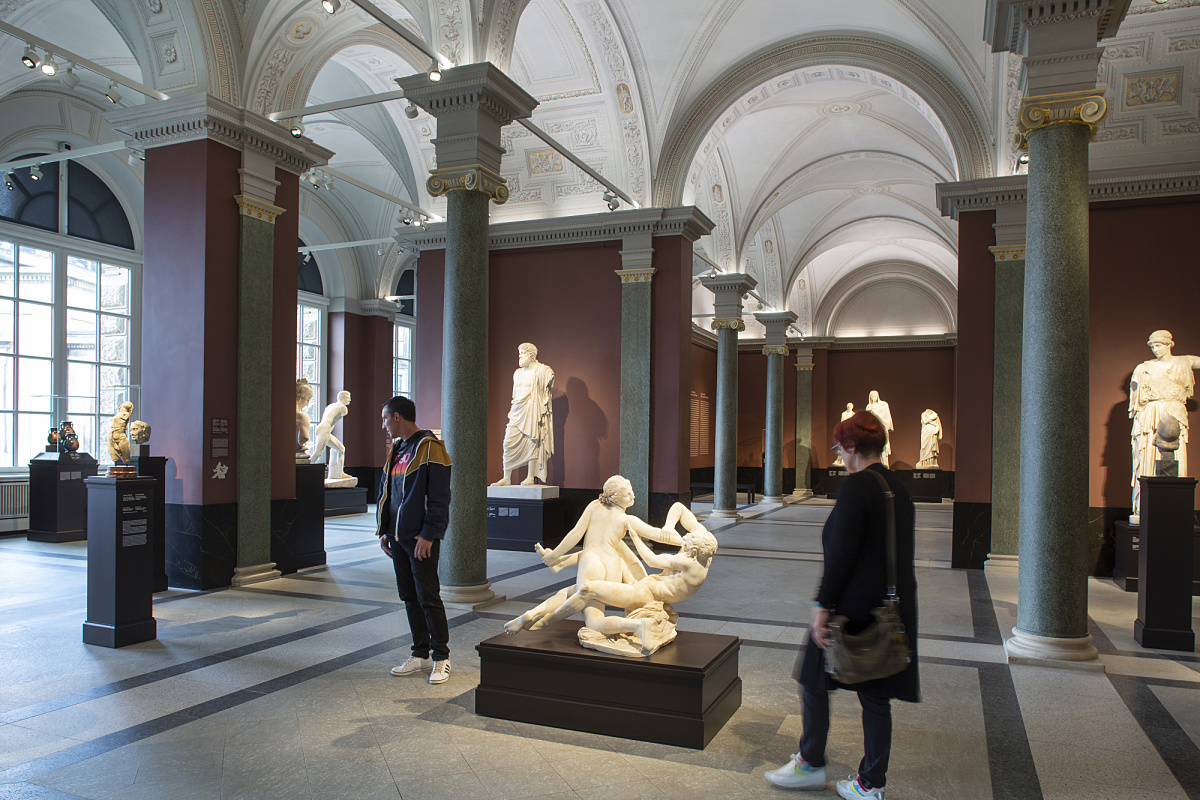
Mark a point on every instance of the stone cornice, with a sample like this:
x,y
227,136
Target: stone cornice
x,y
1005,21
194,117
686,221
1125,184
364,308
479,87
857,343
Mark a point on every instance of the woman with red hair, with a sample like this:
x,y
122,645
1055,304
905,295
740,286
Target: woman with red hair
x,y
854,582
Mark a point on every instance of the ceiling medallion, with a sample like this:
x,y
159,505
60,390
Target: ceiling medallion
x,y
840,108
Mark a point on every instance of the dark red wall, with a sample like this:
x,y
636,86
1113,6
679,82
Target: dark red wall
x,y
1143,277
360,362
973,364
671,365
704,380
283,337
752,409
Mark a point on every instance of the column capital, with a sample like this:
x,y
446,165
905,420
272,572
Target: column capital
x,y
1086,107
253,207
804,367
729,289
1008,254
735,323
475,177
776,323
636,275
775,350
195,117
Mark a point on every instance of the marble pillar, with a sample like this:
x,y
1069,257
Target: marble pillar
x,y
1052,623
729,290
775,349
804,388
635,373
471,103
1006,407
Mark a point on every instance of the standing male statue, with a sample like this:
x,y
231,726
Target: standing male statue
x,y
1159,390
529,436
324,437
883,411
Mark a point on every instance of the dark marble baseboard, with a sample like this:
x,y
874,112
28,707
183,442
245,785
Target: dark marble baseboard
x,y
201,546
971,539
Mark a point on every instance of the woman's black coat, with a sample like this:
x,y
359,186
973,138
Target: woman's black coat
x,y
855,579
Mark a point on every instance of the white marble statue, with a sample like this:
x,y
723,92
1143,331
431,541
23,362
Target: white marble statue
x,y
118,435
847,414
931,434
609,574
881,410
336,477
304,395
529,435
1158,392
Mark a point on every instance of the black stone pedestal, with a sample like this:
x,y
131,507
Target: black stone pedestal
x,y
1126,544
120,581
57,496
1165,565
926,485
682,695
155,467
517,524
345,502
303,543
834,481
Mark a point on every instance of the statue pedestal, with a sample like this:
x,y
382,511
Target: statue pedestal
x,y
302,544
155,467
344,502
58,497
682,695
834,481
1164,618
927,484
120,589
519,516
1126,547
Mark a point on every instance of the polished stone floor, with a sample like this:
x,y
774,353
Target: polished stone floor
x,y
281,690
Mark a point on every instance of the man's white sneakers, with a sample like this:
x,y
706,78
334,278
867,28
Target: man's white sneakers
x,y
413,665
441,671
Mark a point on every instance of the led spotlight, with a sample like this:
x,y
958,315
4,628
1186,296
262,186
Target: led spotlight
x,y
112,94
1023,158
411,111
30,59
407,220
613,201
35,172
8,181
50,66
297,128
331,6
69,78
435,74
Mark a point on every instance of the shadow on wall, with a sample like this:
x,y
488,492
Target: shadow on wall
x,y
1117,458
584,426
561,408
172,483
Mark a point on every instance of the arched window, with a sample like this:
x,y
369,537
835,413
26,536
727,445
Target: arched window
x,y
32,202
311,323
93,211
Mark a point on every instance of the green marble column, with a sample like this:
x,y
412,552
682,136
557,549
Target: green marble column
x,y
253,428
635,385
776,324
1052,598
726,408
1006,408
803,429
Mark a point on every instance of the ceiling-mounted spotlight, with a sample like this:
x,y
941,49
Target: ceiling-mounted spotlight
x,y
50,66
307,257
30,59
613,201
406,219
69,78
331,6
435,74
297,128
35,172
411,110
379,251
136,158
1023,159
112,94
8,181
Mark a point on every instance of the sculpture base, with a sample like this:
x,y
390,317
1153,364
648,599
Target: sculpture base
x,y
519,492
927,485
345,502
517,524
682,695
833,481
348,482
1127,543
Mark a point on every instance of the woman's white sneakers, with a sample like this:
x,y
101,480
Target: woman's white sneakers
x,y
797,774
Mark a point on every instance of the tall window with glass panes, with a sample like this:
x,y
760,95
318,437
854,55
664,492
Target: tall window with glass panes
x,y
310,339
402,358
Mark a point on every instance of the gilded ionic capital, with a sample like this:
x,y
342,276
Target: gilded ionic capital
x,y
804,367
251,207
735,323
474,177
636,275
1085,107
775,350
1016,253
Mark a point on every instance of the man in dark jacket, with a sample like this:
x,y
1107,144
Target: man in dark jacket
x,y
414,506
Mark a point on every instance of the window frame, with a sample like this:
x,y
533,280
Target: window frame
x,y
322,305
404,321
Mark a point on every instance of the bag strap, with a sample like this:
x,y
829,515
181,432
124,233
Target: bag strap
x,y
890,512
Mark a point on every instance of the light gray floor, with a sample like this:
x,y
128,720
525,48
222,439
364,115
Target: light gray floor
x,y
281,690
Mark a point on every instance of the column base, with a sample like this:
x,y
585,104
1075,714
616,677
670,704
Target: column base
x,y
1052,651
243,576
473,597
802,494
772,500
725,514
997,562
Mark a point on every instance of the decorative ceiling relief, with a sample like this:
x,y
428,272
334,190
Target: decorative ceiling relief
x,y
301,29
276,68
1012,105
772,283
722,235
451,36
544,162
1150,89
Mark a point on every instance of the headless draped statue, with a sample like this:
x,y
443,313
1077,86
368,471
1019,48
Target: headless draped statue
x,y
931,433
1158,393
883,411
847,414
529,435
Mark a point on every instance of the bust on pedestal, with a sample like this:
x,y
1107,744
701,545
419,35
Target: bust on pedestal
x,y
57,495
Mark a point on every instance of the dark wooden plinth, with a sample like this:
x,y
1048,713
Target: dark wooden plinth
x,y
344,502
58,497
1164,619
518,524
1127,541
682,695
302,544
120,581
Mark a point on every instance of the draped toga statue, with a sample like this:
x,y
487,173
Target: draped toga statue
x,y
847,414
529,436
931,433
1158,393
883,411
